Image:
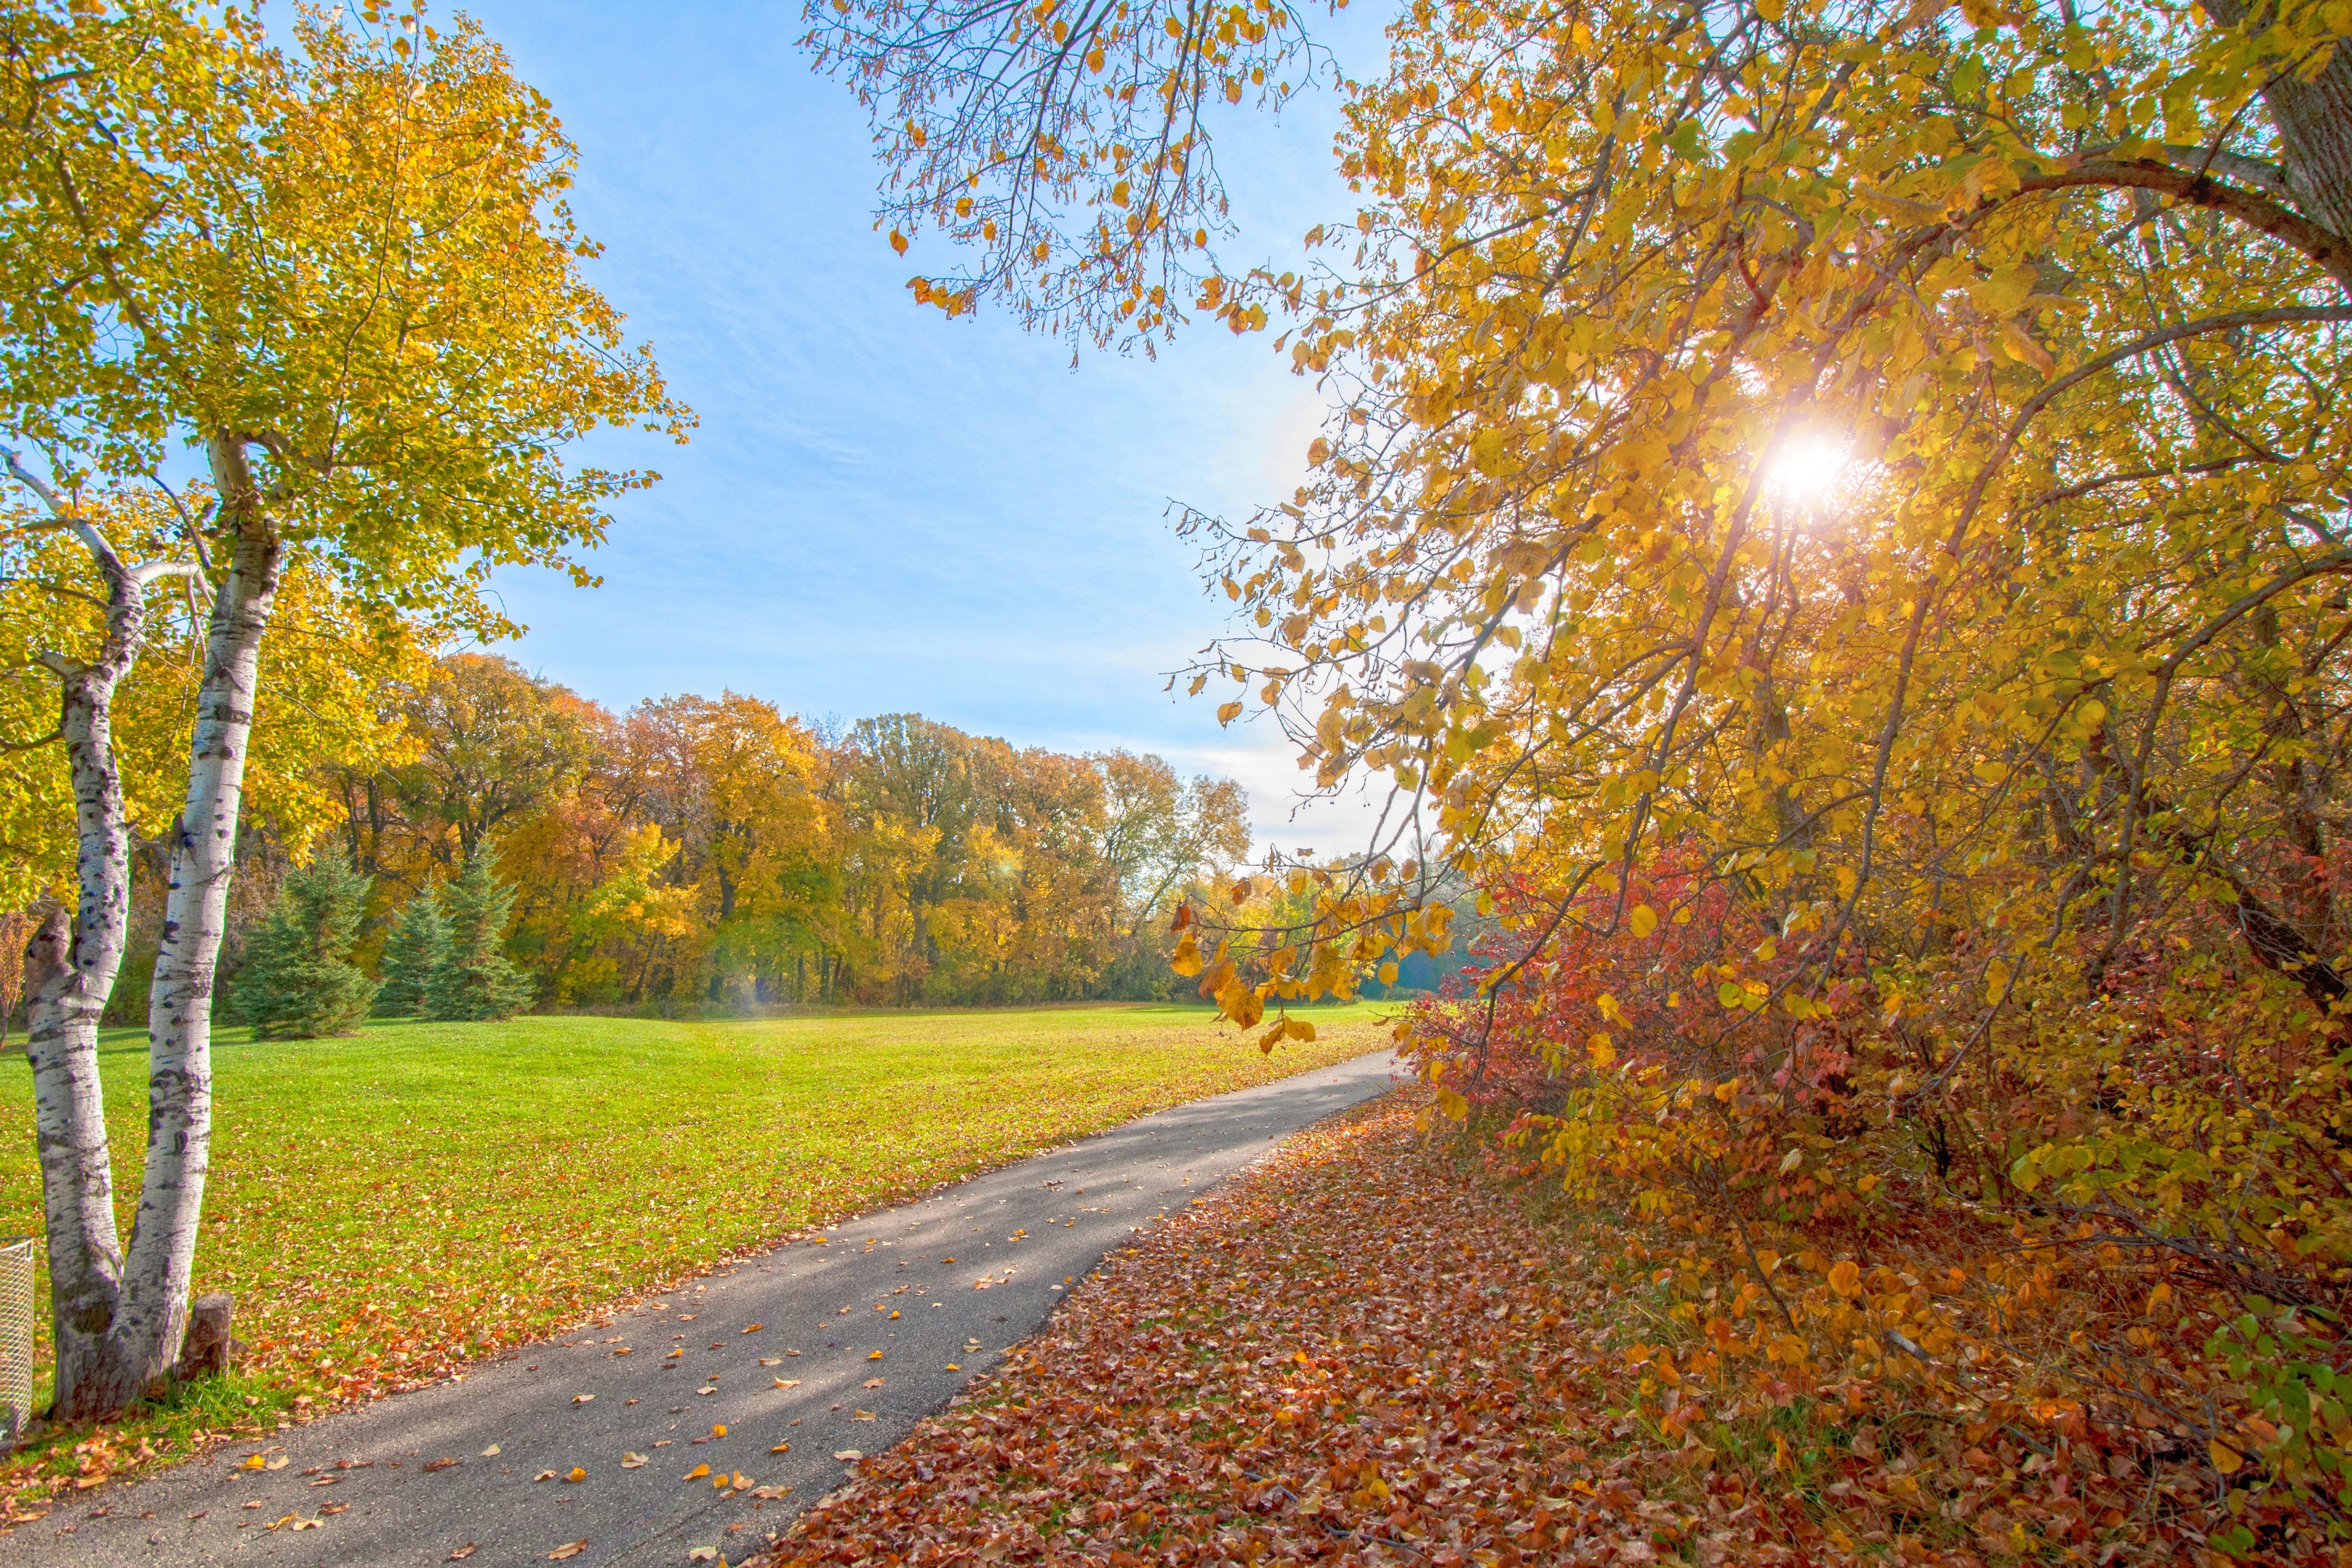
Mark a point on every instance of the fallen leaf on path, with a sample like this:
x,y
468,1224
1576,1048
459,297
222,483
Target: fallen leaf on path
x,y
718,1430
952,1367
755,1328
702,1553
582,1398
782,1448
770,1493
849,1453
575,1474
569,1549
873,1383
788,1382
544,1476
461,1554
280,1523
696,1474
876,1356
772,1360
711,1389
630,1461
792,1352
863,1416
327,1509
491,1452
325,1480
441,1463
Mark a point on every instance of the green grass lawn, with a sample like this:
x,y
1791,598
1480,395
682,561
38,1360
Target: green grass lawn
x,y
385,1205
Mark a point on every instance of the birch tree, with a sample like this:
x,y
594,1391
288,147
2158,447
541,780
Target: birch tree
x,y
340,275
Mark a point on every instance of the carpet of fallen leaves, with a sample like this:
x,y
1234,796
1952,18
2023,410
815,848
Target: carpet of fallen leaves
x,y
1358,1352
1367,1350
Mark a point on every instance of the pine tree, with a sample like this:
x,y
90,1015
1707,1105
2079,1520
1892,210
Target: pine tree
x,y
418,945
476,981
299,982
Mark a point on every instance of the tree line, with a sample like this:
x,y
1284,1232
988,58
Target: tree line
x,y
701,852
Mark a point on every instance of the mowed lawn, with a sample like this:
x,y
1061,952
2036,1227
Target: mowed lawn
x,y
385,1205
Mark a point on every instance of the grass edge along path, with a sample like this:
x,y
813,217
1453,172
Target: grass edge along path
x,y
389,1207
1368,1348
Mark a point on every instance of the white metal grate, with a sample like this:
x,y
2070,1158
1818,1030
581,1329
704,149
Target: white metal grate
x,y
16,1335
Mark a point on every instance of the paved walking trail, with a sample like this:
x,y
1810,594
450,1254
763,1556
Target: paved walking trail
x,y
778,1350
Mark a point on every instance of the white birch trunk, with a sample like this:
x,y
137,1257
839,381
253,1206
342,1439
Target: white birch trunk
x,y
69,971
70,967
152,1314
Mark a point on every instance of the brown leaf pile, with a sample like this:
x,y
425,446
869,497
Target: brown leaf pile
x,y
1356,1352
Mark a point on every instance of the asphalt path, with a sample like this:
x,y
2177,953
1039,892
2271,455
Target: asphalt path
x,y
816,1350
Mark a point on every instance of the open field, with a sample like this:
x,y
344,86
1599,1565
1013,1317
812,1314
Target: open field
x,y
385,1205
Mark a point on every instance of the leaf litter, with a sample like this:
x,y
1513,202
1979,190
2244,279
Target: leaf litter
x,y
1360,1351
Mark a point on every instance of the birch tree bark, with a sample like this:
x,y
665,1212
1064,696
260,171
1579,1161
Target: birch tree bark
x,y
70,968
153,1311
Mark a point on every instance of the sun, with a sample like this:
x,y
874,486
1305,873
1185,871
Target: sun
x,y
1807,468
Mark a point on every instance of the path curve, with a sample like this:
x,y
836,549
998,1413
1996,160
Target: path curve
x,y
878,1300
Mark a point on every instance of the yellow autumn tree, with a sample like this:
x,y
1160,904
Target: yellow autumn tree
x,y
1835,527
337,266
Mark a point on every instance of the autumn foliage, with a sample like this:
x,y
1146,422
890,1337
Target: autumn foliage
x,y
697,852
1833,524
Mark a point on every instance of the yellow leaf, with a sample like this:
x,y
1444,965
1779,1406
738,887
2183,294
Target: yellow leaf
x,y
898,242
1845,1279
2225,1459
696,1474
876,1356
782,1448
720,1430
575,1474
1643,920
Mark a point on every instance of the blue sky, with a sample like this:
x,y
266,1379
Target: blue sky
x,y
882,509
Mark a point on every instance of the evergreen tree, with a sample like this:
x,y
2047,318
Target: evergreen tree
x,y
299,980
417,946
475,980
